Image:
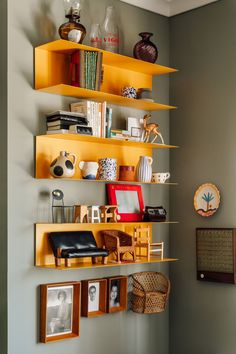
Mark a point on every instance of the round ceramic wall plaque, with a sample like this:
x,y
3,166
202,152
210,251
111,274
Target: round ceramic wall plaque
x,y
206,199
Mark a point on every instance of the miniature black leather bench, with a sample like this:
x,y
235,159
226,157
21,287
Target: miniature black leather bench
x,y
75,244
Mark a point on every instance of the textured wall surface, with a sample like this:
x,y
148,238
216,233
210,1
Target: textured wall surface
x,y
31,23
203,47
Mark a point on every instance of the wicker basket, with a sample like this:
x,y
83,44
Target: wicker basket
x,y
150,292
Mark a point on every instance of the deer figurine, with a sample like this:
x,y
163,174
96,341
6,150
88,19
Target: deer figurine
x,y
151,128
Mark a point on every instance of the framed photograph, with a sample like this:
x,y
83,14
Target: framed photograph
x,y
117,293
59,311
129,199
93,297
135,128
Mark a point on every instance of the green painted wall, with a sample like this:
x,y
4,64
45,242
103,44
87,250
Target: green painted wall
x,y
203,47
33,22
3,177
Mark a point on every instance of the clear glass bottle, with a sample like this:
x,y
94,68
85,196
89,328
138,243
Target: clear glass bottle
x,y
72,30
110,31
96,36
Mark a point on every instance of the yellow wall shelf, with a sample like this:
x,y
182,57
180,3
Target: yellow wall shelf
x,y
44,257
52,75
88,148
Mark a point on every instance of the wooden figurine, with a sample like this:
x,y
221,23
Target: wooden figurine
x,y
109,213
151,128
142,239
81,213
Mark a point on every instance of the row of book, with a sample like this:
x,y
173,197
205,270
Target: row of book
x,y
86,69
85,117
99,116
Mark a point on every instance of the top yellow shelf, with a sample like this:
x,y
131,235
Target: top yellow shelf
x,y
110,59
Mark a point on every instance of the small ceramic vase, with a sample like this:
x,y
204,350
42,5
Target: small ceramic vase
x,y
144,169
62,166
145,49
89,169
107,169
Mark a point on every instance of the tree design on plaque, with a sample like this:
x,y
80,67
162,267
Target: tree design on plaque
x,y
206,199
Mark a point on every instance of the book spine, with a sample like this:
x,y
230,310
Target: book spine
x,y
82,77
109,121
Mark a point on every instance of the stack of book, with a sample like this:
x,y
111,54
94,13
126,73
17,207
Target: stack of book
x,y
99,116
61,122
86,69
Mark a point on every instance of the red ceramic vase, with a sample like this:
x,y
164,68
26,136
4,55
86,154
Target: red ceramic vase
x,y
145,49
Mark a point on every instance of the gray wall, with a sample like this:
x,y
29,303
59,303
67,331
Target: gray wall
x,y
3,176
203,47
33,22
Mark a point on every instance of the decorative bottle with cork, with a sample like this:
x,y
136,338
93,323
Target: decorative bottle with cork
x,y
110,31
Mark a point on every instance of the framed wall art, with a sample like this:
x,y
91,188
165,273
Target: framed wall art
x,y
117,293
59,311
206,199
129,199
93,300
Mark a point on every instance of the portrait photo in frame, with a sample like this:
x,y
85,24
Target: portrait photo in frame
x,y
94,292
117,293
129,199
59,311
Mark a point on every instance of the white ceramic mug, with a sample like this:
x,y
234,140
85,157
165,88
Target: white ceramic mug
x,y
89,169
160,177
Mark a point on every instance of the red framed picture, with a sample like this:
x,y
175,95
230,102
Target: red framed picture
x,y
129,199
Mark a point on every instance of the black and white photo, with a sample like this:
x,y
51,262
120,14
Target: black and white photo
x,y
93,296
59,310
114,299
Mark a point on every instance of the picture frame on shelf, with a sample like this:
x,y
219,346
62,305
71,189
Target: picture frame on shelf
x,y
117,288
59,311
93,299
135,128
129,199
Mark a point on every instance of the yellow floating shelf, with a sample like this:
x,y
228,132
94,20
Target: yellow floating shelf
x,y
88,148
71,91
109,141
43,253
111,59
88,265
52,66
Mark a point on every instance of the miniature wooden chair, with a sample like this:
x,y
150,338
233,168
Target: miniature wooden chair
x,y
142,240
94,214
119,243
109,213
81,213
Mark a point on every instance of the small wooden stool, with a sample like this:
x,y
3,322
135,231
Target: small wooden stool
x,y
81,213
94,214
109,213
142,240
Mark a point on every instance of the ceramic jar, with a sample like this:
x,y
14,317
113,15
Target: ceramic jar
x,y
126,173
89,169
64,165
144,169
107,169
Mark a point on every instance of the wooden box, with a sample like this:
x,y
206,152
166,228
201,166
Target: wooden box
x,y
216,254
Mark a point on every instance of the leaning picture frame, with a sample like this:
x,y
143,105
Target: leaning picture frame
x,y
93,297
117,288
129,199
59,311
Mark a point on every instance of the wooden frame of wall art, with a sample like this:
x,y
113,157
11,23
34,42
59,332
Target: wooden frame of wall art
x,y
117,287
93,300
59,311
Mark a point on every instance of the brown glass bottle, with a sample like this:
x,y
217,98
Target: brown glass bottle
x,y
72,30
